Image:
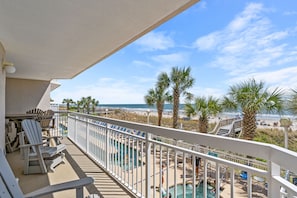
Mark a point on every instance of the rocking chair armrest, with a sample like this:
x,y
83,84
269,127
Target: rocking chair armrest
x,y
28,145
50,137
75,184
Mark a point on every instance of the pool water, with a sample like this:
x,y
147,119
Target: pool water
x,y
189,188
63,129
122,154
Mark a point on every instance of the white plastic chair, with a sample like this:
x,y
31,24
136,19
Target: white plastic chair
x,y
9,186
39,156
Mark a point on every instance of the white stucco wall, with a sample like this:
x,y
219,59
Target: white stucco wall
x,y
22,95
2,108
2,98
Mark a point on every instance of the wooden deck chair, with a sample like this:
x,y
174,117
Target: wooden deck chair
x,y
46,121
9,186
34,111
39,157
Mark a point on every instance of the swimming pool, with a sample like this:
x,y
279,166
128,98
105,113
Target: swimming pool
x,y
63,129
121,156
189,188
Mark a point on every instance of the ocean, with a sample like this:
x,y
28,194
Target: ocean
x,y
168,109
140,107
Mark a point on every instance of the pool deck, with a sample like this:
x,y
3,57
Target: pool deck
x,y
239,186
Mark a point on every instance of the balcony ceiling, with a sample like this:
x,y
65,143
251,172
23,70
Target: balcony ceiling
x,y
59,39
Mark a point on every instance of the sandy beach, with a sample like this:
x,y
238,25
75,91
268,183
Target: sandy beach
x,y
263,120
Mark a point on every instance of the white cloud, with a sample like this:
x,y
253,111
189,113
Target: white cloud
x,y
141,63
107,91
290,13
207,91
244,19
248,43
285,78
207,42
171,59
155,41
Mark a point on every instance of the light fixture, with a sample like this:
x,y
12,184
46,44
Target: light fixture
x,y
9,68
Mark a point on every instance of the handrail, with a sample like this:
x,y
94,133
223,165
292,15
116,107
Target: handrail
x,y
222,123
87,131
236,124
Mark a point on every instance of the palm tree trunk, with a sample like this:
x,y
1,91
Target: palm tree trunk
x,y
160,113
249,125
160,117
175,108
203,124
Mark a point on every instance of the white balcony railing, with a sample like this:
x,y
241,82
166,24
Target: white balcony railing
x,y
153,161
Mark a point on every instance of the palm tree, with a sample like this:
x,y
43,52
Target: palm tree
x,y
204,108
94,104
292,103
181,80
251,98
83,103
79,103
87,104
68,101
159,95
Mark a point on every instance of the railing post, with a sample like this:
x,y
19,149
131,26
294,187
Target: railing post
x,y
148,165
87,135
107,147
217,183
205,177
249,185
75,128
273,188
232,193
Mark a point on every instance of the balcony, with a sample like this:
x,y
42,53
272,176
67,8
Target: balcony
x,y
151,161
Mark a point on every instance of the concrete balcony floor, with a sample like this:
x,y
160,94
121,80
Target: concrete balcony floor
x,y
77,165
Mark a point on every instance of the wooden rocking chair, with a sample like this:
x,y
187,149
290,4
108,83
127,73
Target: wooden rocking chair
x,y
39,156
46,121
9,186
34,111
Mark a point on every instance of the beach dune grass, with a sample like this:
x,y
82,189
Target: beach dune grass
x,y
276,137
186,124
268,135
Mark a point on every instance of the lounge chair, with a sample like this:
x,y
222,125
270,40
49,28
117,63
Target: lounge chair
x,y
9,186
39,156
243,175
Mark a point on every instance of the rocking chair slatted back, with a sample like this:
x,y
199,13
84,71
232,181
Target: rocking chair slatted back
x,y
32,125
42,154
34,111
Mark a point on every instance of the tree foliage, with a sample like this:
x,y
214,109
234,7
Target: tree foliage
x,y
159,95
203,107
252,97
85,104
68,102
292,103
180,81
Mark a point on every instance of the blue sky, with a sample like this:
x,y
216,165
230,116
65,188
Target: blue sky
x,y
223,41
